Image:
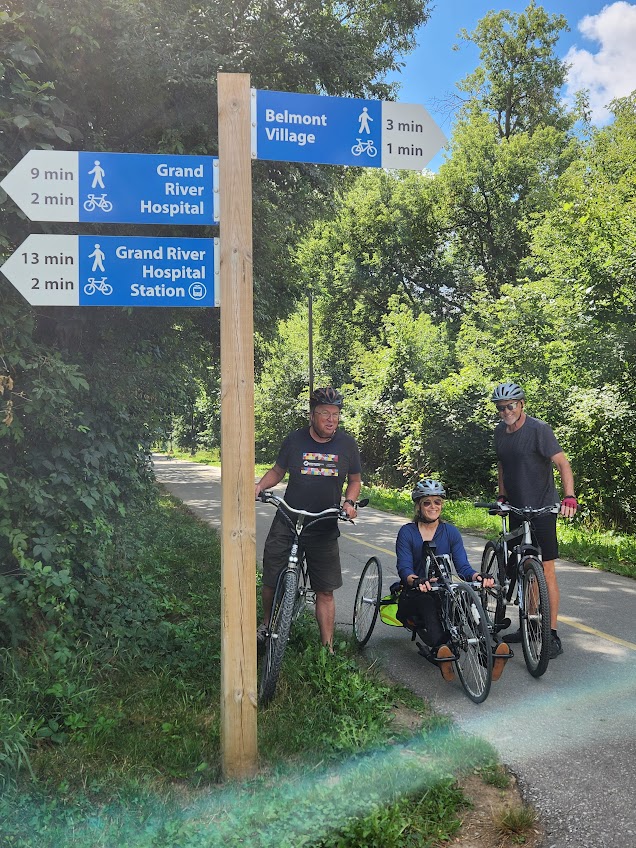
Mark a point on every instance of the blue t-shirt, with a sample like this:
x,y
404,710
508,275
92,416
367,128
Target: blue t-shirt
x,y
447,540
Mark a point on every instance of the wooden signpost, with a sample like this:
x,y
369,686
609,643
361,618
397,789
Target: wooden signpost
x,y
238,513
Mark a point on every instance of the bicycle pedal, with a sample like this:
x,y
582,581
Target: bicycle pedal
x,y
422,651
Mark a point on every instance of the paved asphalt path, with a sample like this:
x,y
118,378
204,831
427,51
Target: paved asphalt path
x,y
570,736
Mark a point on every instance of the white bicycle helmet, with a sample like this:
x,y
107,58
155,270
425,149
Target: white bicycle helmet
x,y
507,391
427,488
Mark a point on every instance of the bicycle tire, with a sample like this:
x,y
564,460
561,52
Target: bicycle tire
x,y
470,637
492,600
535,625
367,602
278,633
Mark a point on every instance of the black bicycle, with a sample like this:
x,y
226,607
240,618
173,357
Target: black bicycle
x,y
292,591
461,612
514,560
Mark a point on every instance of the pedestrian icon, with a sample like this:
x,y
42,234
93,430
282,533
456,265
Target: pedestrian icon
x,y
98,257
98,175
364,119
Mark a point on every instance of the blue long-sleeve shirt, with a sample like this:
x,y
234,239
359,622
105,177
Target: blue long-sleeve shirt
x,y
447,540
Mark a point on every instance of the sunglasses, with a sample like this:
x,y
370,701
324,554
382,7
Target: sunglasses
x,y
508,406
432,502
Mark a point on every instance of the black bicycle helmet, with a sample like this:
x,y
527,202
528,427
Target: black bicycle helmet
x,y
327,396
428,488
507,391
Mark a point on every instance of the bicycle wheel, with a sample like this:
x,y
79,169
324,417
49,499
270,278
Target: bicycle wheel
x,y
492,600
535,617
367,603
278,634
471,642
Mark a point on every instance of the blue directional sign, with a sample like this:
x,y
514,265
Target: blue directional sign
x,y
129,188
52,270
292,127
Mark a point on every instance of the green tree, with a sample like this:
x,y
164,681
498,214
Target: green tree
x,y
411,350
490,190
380,244
519,77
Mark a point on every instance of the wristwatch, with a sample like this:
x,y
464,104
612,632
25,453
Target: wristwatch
x,y
349,501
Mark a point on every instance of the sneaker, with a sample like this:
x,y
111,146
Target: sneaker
x,y
500,658
556,647
445,654
261,634
514,637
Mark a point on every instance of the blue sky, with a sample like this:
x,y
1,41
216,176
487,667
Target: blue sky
x,y
601,47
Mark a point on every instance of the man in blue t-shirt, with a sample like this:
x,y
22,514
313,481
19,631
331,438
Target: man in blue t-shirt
x,y
320,458
527,450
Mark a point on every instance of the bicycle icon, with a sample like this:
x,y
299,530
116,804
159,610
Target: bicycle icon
x,y
97,201
364,147
100,286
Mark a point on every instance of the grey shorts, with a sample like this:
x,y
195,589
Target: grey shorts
x,y
322,554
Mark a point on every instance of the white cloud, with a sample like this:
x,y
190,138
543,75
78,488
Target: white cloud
x,y
611,71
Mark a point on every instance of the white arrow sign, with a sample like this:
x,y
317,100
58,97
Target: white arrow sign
x,y
292,127
50,270
109,188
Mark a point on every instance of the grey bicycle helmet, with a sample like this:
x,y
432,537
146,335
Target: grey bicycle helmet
x,y
508,391
327,396
427,488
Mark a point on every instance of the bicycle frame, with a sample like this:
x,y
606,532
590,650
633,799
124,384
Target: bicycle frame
x,y
515,560
527,545
289,597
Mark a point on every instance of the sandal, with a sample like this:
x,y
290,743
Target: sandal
x,y
500,657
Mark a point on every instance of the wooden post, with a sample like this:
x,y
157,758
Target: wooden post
x,y
239,747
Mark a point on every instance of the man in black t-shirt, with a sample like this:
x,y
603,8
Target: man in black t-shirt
x,y
527,450
319,459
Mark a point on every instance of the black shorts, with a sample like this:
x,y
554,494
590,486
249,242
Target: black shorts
x,y
322,554
544,533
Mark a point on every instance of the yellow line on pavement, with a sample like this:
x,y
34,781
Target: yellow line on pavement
x,y
573,623
367,544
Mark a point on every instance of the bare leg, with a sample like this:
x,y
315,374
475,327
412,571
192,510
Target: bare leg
x,y
326,617
553,591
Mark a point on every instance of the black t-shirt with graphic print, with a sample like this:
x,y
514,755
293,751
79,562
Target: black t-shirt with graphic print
x,y
318,471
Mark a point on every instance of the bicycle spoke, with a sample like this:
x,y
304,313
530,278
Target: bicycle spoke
x,y
471,641
367,602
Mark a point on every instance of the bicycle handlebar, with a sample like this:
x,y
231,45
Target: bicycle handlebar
x,y
338,512
523,510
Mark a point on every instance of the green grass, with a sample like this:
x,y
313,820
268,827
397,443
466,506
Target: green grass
x,y
133,756
515,822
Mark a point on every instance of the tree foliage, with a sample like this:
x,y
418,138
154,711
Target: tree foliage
x,y
519,76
